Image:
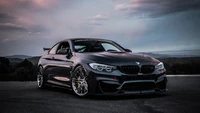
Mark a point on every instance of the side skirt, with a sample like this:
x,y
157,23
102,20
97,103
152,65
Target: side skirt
x,y
58,83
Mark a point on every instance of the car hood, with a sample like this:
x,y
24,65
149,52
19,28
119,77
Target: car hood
x,y
119,58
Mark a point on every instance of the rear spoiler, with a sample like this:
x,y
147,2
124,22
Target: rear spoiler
x,y
46,49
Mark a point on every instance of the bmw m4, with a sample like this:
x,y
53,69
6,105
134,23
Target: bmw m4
x,y
99,66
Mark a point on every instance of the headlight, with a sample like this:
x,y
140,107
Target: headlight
x,y
160,68
102,67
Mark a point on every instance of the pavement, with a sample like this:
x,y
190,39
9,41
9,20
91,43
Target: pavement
x,y
183,96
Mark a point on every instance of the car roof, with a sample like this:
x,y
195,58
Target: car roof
x,y
85,39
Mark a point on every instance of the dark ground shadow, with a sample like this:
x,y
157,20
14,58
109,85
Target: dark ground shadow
x,y
105,97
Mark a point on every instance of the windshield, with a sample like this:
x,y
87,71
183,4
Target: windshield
x,y
94,46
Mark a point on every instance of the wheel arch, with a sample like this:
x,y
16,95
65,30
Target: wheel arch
x,y
40,65
81,66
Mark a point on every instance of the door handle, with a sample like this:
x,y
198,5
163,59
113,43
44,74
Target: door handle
x,y
52,57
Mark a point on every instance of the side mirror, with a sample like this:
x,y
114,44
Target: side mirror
x,y
127,50
65,51
69,53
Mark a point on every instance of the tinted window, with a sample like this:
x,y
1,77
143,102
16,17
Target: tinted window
x,y
63,47
109,47
94,46
80,48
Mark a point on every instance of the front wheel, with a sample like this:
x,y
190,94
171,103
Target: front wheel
x,y
79,82
40,78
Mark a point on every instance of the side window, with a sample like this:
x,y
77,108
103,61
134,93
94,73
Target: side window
x,y
63,47
53,50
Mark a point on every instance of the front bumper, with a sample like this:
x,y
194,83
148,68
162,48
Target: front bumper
x,y
126,84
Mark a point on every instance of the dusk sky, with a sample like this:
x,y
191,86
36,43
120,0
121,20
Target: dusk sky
x,y
26,26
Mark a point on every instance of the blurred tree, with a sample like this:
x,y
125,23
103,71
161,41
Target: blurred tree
x,y
26,64
24,70
22,74
4,65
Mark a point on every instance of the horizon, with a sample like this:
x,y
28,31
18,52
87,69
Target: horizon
x,y
26,26
173,52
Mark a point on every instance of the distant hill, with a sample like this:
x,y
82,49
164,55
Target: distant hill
x,y
183,60
34,60
183,53
19,56
167,56
173,54
15,60
155,55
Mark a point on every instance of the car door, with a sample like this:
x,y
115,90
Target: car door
x,y
61,66
49,63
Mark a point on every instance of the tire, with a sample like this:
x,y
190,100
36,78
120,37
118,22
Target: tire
x,y
40,78
79,82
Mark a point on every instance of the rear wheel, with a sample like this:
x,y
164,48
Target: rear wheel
x,y
40,78
79,82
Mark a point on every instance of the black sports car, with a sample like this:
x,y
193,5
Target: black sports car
x,y
99,66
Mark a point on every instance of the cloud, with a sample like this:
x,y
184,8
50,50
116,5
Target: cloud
x,y
11,27
38,28
156,8
120,7
17,7
6,18
44,3
10,32
28,3
99,17
96,23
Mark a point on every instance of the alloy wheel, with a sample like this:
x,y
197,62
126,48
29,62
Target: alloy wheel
x,y
79,82
40,78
